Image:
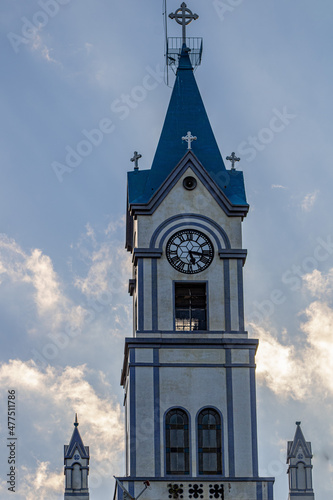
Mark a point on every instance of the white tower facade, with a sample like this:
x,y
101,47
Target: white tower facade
x,y
299,460
189,368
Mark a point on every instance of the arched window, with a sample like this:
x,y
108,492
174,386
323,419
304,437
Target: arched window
x,y
76,477
209,442
301,476
177,442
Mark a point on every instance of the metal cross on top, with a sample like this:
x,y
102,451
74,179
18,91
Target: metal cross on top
x,y
136,159
183,16
233,158
189,138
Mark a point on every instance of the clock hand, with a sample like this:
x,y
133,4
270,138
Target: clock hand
x,y
196,253
193,261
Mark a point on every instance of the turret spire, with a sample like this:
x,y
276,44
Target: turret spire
x,y
76,461
299,460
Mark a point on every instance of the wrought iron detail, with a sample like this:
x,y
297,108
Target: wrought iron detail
x,y
175,490
195,491
216,491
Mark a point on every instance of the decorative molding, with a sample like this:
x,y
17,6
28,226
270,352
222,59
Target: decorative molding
x,y
145,253
253,408
234,253
132,416
131,286
227,295
230,416
140,311
195,217
240,292
157,417
190,479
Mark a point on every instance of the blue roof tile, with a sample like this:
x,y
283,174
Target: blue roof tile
x,y
186,112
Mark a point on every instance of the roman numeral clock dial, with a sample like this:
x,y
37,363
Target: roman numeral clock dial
x,y
189,251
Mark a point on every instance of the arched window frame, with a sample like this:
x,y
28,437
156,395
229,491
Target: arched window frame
x,y
79,468
298,477
187,441
219,448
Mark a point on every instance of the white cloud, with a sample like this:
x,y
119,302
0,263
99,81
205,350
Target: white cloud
x,y
278,186
318,284
305,371
39,46
319,357
44,280
279,367
46,483
62,392
309,201
36,270
12,260
109,265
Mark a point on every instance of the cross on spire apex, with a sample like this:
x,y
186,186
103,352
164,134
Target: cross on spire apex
x,y
184,16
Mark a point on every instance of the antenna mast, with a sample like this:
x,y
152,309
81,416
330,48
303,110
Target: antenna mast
x,y
166,39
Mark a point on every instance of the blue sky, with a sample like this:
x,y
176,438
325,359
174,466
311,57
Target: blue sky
x,y
266,81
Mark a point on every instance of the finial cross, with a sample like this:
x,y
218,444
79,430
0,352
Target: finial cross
x,y
183,16
136,159
189,138
233,158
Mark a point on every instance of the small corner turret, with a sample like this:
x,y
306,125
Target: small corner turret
x,y
76,461
299,460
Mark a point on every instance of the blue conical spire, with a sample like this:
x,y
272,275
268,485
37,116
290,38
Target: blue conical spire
x,y
76,443
299,440
186,112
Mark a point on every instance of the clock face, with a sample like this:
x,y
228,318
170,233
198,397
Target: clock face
x,y
189,251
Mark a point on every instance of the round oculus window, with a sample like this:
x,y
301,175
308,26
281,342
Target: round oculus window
x,y
189,183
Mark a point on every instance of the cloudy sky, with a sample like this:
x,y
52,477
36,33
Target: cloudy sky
x,y
83,70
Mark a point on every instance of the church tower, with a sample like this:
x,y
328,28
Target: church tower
x,y
76,460
189,368
299,460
